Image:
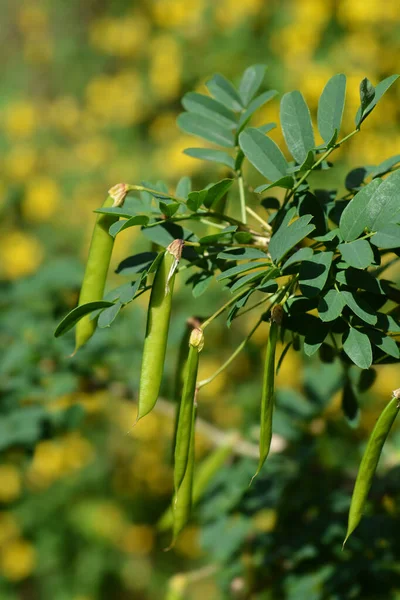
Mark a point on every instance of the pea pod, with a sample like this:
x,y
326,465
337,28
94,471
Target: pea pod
x,y
182,503
203,475
97,265
370,461
181,370
187,407
158,317
268,391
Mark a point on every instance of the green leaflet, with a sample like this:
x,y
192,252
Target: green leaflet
x,y
183,188
255,104
387,237
208,107
331,305
251,82
379,90
358,348
354,217
289,234
108,315
369,463
242,268
296,126
119,226
263,154
207,129
360,307
224,91
314,273
211,155
330,107
76,314
357,254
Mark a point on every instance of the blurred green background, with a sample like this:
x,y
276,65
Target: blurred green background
x,y
90,93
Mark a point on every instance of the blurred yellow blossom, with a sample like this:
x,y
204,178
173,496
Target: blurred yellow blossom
x,y
32,17
20,162
229,13
20,119
10,483
163,127
165,67
137,539
188,542
42,197
116,99
172,163
94,152
20,254
265,520
120,36
178,13
17,560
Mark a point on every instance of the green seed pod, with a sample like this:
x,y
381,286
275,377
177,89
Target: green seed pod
x,y
158,317
370,461
268,391
187,407
181,370
182,503
203,475
97,265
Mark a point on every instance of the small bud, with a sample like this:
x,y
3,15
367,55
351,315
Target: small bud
x,y
277,314
118,193
396,394
197,339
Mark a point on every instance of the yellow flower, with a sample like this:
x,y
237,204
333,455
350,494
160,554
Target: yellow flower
x,y
120,37
20,162
116,99
182,14
229,13
188,542
41,200
17,560
10,483
47,464
265,520
78,452
21,254
137,539
165,67
20,119
32,17
172,163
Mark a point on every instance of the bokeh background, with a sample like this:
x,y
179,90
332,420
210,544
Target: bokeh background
x,y
90,90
